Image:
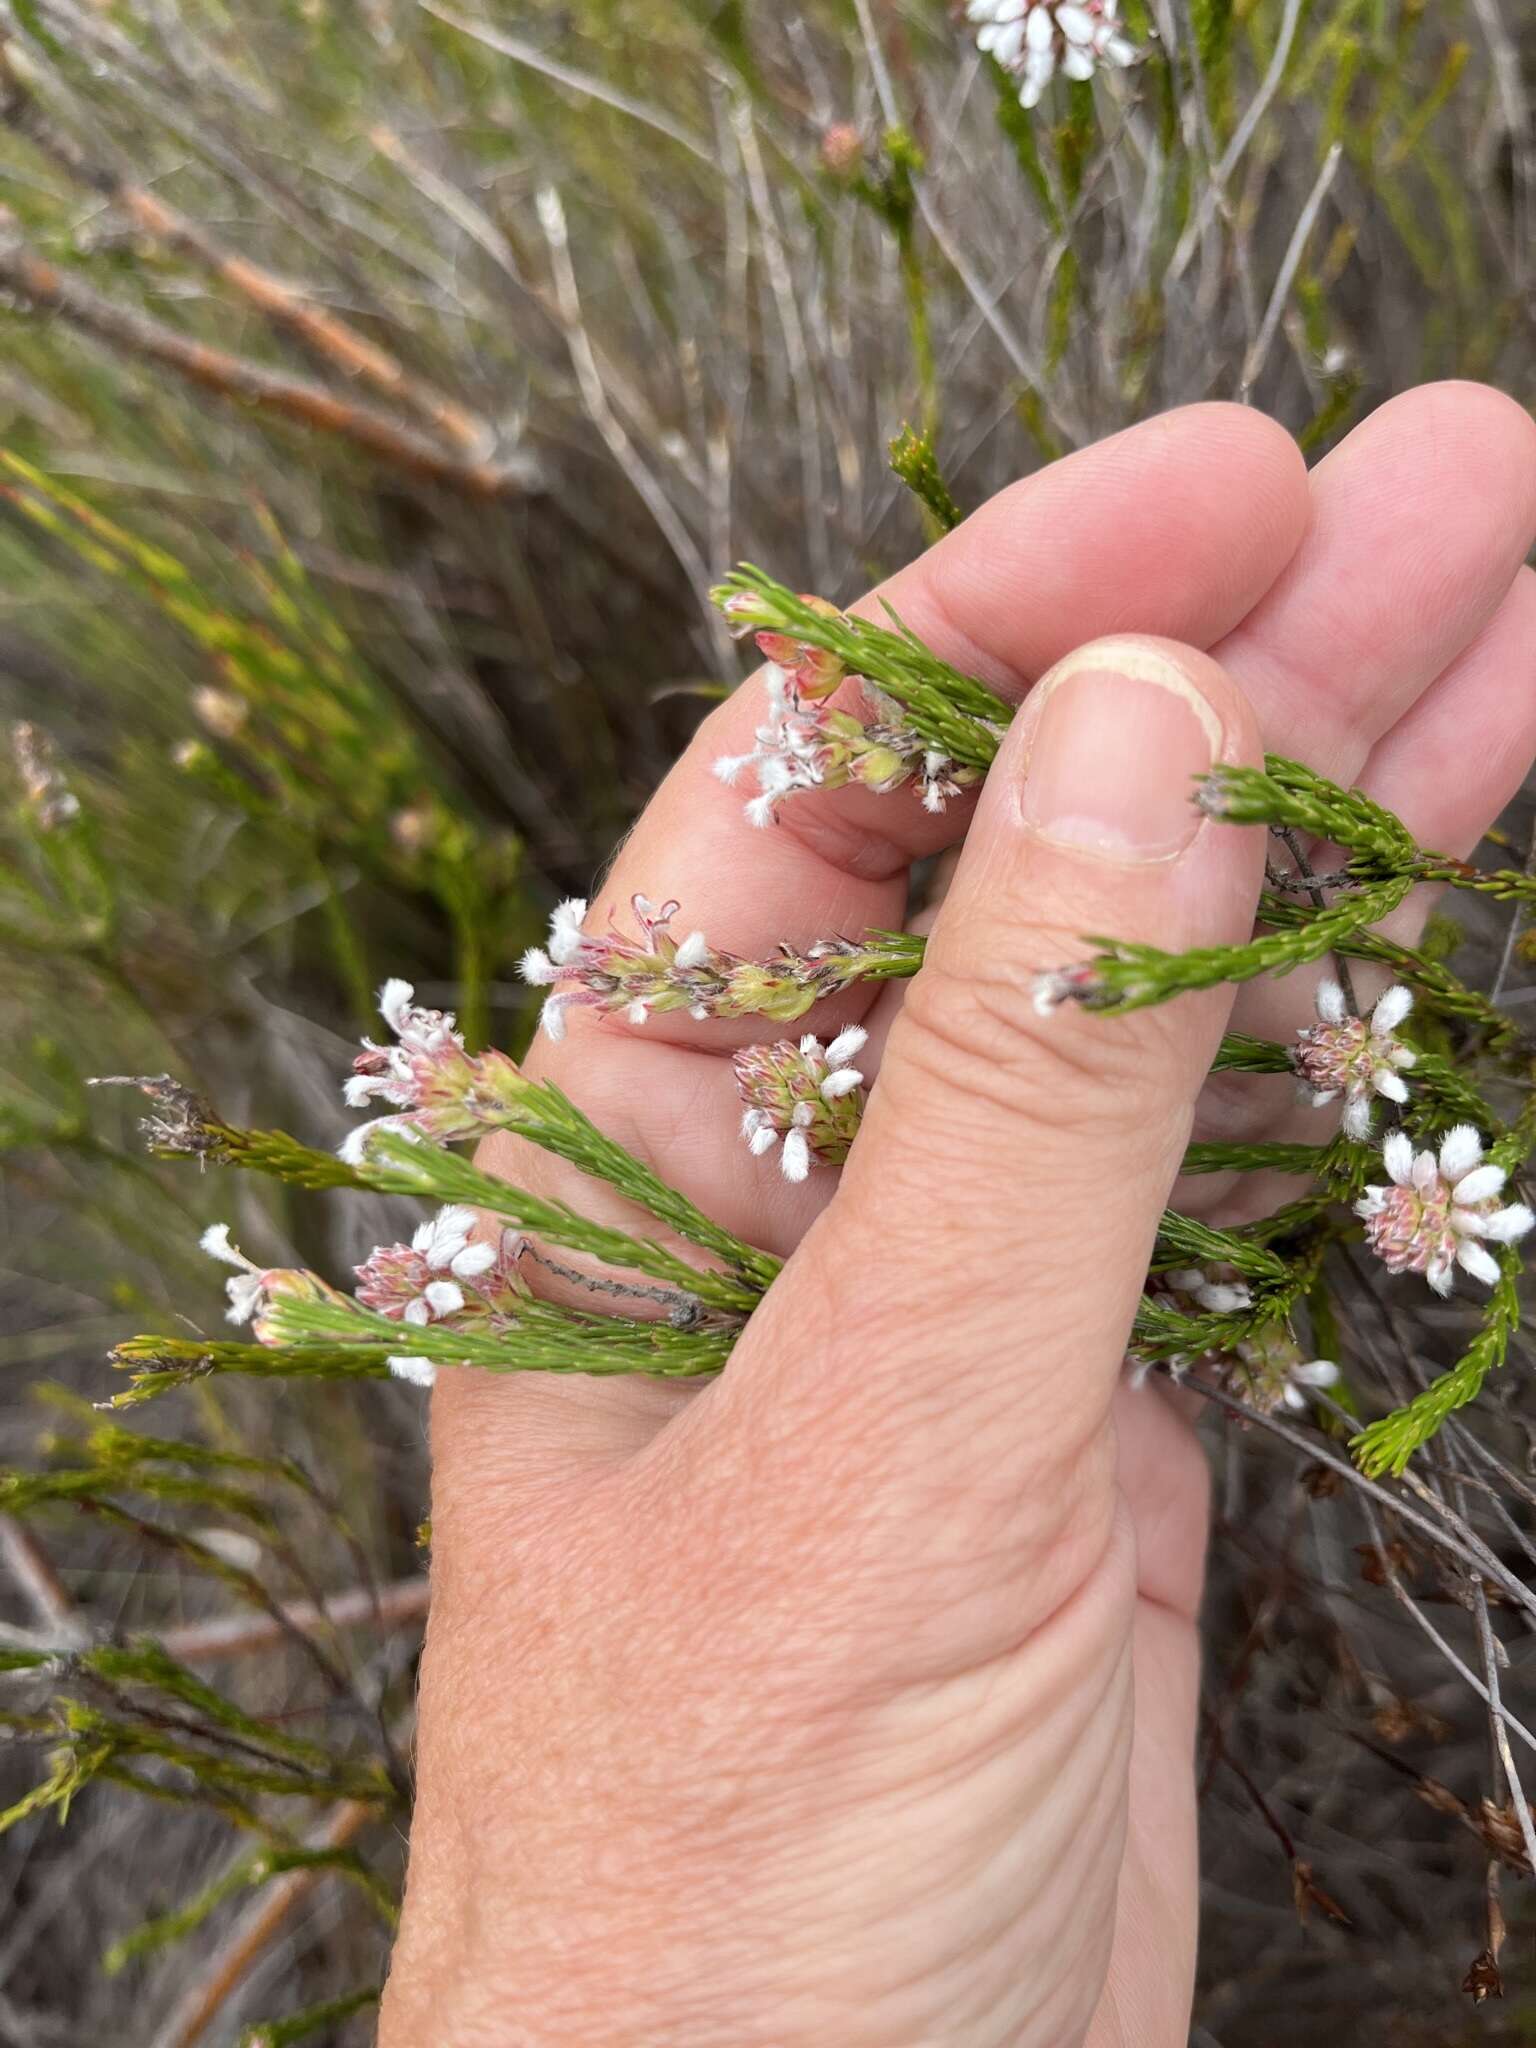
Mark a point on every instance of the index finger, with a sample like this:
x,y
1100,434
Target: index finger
x,y
1175,527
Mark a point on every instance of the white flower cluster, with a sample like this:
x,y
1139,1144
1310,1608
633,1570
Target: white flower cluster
x,y
1344,1055
425,1281
1441,1212
805,1094
1273,1371
617,974
1034,42
247,1286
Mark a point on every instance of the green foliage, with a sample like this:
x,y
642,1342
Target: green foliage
x,y
952,711
913,460
1388,1444
312,2021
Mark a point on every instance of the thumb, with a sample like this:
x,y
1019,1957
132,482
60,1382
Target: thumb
x,y
987,1247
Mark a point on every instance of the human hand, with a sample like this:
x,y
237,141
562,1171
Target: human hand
x,y
851,1699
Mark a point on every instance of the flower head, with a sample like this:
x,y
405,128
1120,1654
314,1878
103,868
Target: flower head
x,y
1034,42
417,1371
842,150
612,972
1306,1378
1348,1056
805,744
441,1273
807,1095
1438,1213
1266,1363
1273,1372
811,671
435,1088
660,973
50,800
251,1289
1216,1295
244,1290
1058,985
223,712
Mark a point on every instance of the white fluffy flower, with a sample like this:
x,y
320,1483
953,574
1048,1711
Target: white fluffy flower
x,y
1317,1373
425,1281
419,1372
803,1094
444,1242
1345,1055
246,1286
1033,42
565,929
1216,1297
449,1255
391,1073
1438,1213
620,975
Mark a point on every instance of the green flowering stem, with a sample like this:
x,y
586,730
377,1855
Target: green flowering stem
x,y
103,1738
328,1339
950,711
408,1168
144,1662
1434,986
1442,1096
1183,1241
1504,885
71,1768
1285,795
182,1125
549,1119
1162,1333
21,1492
1240,1054
1293,1219
913,459
130,1450
1516,1143
544,1338
159,1364
1126,976
1387,1445
1311,1160
888,956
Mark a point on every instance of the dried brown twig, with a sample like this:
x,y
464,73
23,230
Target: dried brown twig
x,y
254,1932
353,354
238,380
37,1579
238,1635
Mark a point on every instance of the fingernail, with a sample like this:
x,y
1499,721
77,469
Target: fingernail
x,y
1119,735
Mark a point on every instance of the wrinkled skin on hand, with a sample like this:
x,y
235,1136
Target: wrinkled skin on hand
x,y
850,1699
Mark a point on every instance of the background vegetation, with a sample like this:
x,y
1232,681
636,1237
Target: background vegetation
x,y
381,386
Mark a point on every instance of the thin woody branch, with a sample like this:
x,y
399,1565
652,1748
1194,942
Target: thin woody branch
x,y
237,380
353,354
255,1930
239,1635
37,1578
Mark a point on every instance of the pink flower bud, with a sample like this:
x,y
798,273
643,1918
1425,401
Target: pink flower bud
x,y
804,1097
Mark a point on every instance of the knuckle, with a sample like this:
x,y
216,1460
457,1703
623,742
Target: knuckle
x,y
973,1035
